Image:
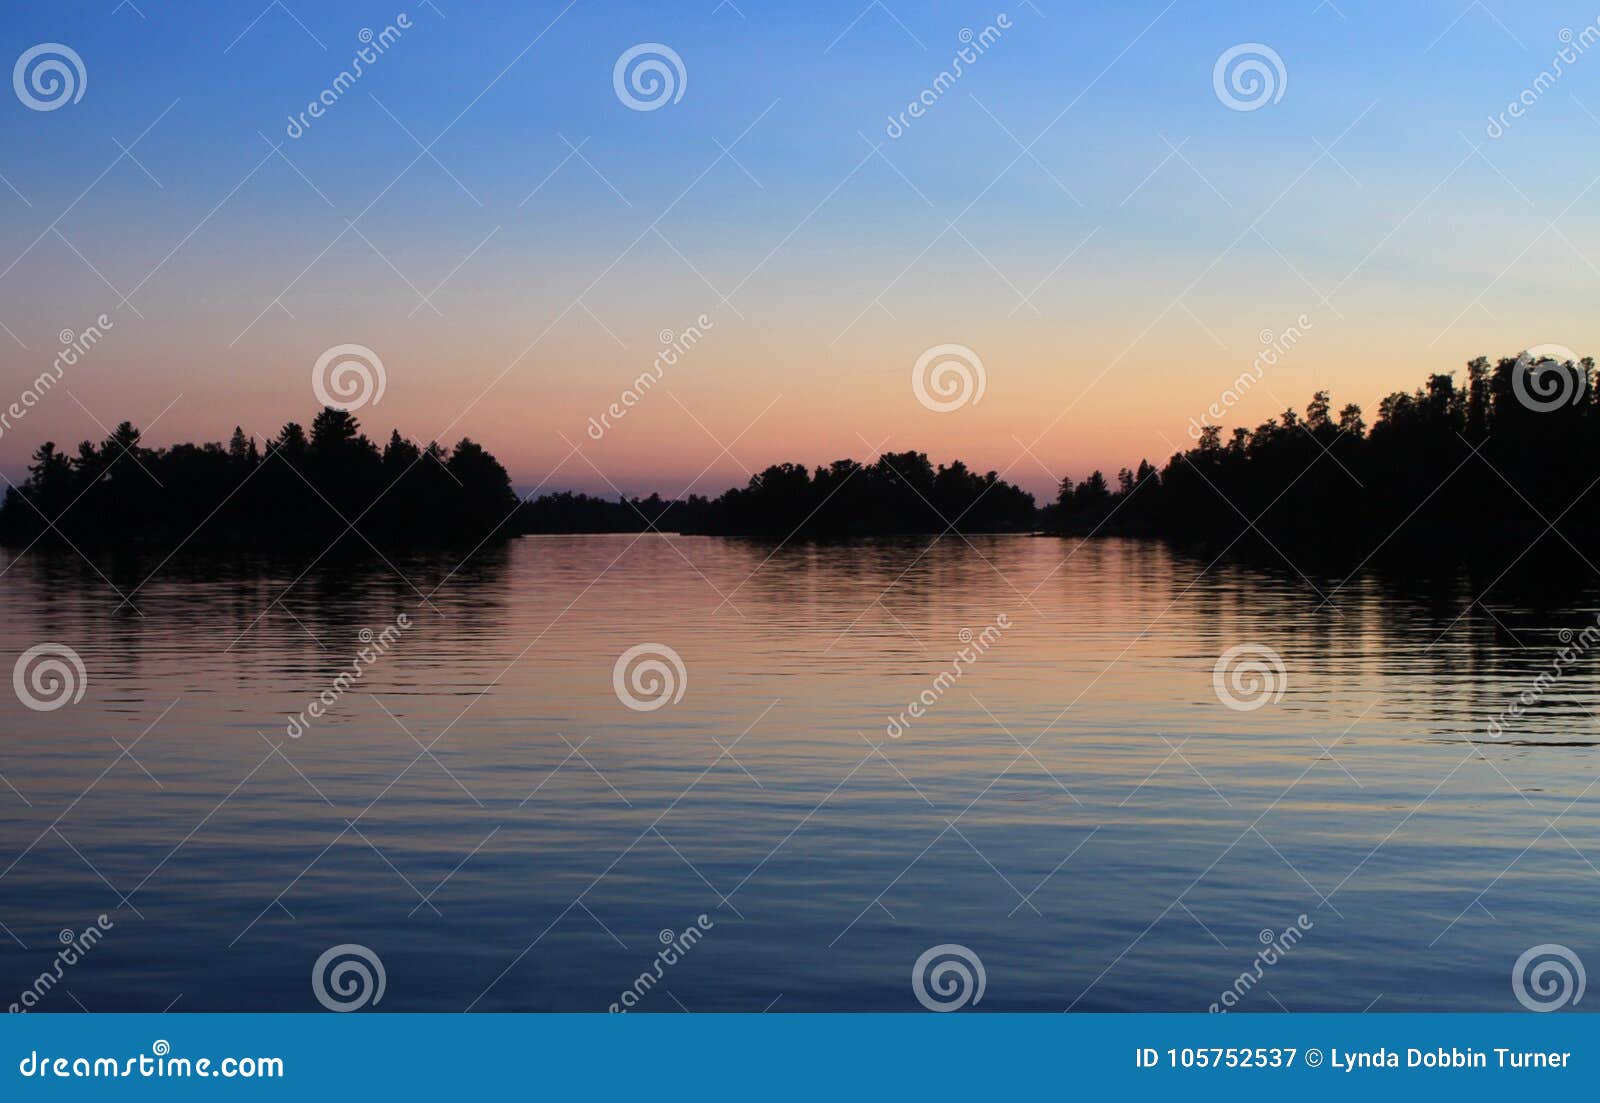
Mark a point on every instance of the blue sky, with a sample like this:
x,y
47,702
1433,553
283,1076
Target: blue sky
x,y
1112,285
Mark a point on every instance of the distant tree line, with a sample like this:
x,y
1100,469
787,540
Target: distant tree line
x,y
1453,473
1475,472
298,490
899,493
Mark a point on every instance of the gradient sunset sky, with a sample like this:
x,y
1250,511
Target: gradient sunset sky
x,y
1080,208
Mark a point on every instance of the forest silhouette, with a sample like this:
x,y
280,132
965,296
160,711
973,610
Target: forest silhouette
x,y
1477,472
299,491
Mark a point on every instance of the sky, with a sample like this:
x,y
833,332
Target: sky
x,y
1082,208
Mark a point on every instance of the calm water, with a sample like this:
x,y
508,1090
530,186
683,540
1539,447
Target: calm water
x,y
1078,807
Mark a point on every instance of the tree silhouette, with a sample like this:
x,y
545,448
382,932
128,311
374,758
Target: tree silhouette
x,y
333,488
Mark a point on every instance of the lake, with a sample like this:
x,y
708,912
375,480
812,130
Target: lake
x,y
814,765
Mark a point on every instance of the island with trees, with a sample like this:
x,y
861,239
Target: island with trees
x,y
1477,472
